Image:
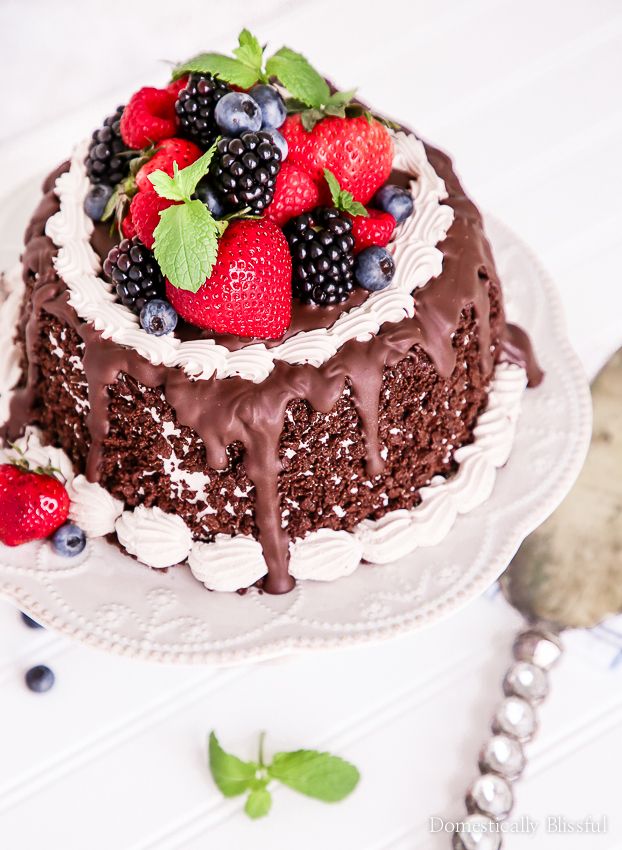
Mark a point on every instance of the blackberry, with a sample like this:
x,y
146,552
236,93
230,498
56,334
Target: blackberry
x,y
244,170
134,271
107,160
321,244
195,107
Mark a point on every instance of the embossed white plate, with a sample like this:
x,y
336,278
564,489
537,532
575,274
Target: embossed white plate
x,y
108,600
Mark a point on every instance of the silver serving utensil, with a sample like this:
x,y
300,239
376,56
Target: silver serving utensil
x,y
567,574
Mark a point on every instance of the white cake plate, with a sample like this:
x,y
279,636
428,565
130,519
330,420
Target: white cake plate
x,y
108,600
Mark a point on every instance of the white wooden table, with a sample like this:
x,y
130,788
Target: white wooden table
x,y
526,96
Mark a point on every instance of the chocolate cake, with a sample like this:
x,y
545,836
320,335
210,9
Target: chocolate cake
x,y
303,408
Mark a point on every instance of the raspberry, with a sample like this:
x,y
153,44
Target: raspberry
x,y
148,118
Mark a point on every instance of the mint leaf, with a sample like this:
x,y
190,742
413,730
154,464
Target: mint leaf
x,y
250,51
186,244
228,69
319,775
258,803
298,76
189,176
232,775
166,186
341,199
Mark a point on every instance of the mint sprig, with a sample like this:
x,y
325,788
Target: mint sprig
x,y
186,238
316,774
342,199
309,92
244,70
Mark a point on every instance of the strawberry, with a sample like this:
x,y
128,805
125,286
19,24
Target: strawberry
x,y
32,505
167,153
357,151
148,117
145,210
249,292
294,193
376,229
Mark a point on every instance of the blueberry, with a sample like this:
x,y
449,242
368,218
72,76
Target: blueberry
x,y
273,111
158,317
279,140
394,200
374,268
40,679
205,193
69,540
96,200
28,621
237,113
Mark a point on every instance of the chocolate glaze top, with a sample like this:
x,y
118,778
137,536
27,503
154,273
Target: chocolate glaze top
x,y
224,411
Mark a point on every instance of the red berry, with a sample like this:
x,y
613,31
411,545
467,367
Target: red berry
x,y
294,193
127,227
250,290
358,152
32,505
177,85
148,117
145,210
168,152
375,229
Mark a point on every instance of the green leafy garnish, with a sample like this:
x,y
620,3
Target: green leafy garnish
x,y
341,199
309,92
319,775
244,71
186,238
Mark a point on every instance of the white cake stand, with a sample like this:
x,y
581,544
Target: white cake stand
x,y
106,599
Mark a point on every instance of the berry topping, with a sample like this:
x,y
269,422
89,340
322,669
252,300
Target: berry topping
x,y
32,505
295,192
135,273
249,290
158,317
69,540
273,111
128,231
145,210
322,245
169,152
39,679
395,200
105,162
237,113
205,193
195,107
244,170
96,200
279,140
374,229
358,151
374,268
28,621
148,118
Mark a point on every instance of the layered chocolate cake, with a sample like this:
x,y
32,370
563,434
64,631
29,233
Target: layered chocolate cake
x,y
260,331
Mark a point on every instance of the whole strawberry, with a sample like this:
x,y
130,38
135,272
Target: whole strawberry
x,y
375,229
249,292
358,151
148,117
145,212
295,192
32,505
169,152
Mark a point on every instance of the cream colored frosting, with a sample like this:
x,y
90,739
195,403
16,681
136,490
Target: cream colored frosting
x,y
413,245
157,539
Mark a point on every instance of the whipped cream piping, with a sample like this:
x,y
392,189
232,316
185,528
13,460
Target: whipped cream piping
x,y
413,245
230,563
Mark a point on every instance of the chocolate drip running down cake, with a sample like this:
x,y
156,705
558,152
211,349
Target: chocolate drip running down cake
x,y
259,427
